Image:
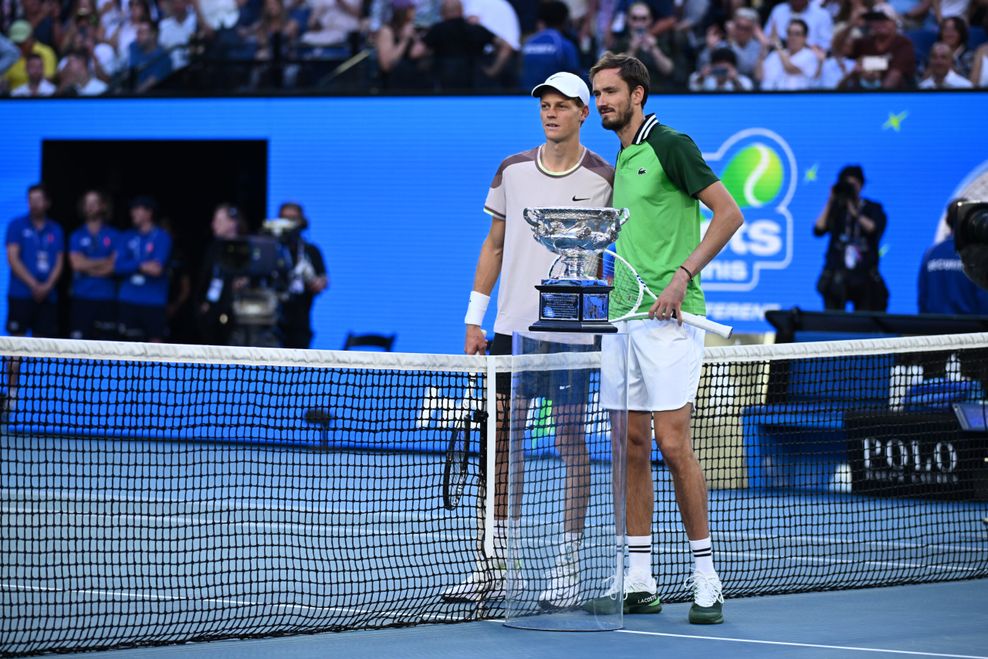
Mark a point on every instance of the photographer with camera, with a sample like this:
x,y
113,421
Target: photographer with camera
x,y
721,75
307,279
855,226
640,41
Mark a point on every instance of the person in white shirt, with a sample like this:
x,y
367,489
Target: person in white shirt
x,y
939,71
820,26
176,31
36,84
75,78
794,67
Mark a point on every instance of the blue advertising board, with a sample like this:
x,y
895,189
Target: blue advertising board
x,y
395,186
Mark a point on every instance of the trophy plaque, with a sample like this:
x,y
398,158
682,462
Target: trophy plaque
x,y
573,298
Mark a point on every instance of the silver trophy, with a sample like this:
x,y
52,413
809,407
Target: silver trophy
x,y
573,298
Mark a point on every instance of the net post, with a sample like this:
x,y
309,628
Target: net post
x,y
490,438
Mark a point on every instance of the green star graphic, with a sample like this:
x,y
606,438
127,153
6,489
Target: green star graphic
x,y
895,121
810,175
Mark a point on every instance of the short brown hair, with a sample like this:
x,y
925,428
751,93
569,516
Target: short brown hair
x,y
631,70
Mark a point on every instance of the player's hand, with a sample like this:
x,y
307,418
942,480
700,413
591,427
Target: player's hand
x,y
670,301
476,341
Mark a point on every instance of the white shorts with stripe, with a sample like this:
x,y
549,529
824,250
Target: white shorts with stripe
x,y
663,372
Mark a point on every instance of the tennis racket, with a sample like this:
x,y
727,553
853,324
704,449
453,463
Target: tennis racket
x,y
721,330
455,468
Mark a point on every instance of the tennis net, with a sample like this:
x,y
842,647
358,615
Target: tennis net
x,y
155,494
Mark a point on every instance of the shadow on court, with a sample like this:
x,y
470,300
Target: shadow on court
x,y
931,620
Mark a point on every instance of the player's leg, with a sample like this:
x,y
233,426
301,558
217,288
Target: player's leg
x,y
672,429
569,419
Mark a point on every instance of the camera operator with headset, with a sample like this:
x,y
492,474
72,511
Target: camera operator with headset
x,y
855,226
307,279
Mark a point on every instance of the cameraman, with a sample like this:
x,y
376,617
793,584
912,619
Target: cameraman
x,y
215,285
943,286
855,226
307,279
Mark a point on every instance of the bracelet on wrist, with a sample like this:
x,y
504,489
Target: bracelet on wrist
x,y
688,273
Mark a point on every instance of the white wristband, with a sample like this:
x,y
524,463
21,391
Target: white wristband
x,y
477,308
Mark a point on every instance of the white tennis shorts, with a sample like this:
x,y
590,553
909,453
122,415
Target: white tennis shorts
x,y
664,361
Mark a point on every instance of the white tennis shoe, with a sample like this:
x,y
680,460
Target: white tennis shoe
x,y
563,591
486,582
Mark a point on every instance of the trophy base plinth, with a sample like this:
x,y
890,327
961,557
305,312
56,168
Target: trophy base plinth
x,y
573,326
578,305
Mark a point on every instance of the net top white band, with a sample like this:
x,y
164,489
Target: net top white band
x,y
199,354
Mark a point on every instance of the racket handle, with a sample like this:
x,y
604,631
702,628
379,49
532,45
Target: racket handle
x,y
721,330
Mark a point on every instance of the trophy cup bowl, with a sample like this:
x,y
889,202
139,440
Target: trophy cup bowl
x,y
575,299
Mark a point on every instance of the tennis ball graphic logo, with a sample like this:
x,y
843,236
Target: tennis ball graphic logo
x,y
754,176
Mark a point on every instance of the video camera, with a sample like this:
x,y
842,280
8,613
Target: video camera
x,y
267,264
971,240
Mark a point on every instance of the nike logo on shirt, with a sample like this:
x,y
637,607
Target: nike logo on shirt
x,y
575,198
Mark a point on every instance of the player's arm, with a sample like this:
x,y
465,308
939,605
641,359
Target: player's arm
x,y
488,270
727,219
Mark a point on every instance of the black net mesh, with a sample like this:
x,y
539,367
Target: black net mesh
x,y
163,500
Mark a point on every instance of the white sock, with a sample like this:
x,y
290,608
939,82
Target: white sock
x,y
639,554
703,554
570,551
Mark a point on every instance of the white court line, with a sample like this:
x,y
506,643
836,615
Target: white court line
x,y
208,506
804,645
121,594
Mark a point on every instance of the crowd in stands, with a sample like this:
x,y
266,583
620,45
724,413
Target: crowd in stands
x,y
93,47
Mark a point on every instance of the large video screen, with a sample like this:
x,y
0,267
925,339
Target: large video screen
x,y
394,187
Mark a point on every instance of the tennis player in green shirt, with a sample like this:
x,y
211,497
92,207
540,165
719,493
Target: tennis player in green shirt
x,y
661,177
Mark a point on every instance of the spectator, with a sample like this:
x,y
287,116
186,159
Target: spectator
x,y
819,24
746,39
149,63
75,79
943,286
276,35
855,226
332,22
884,58
401,51
640,41
954,32
213,295
549,50
840,64
43,15
217,21
36,84
458,50
22,36
427,14
500,18
794,67
93,254
939,74
35,247
82,34
308,279
176,31
126,33
979,70
142,261
721,75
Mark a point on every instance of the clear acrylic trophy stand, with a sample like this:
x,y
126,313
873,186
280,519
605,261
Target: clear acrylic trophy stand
x,y
566,488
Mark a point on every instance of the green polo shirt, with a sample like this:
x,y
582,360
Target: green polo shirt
x,y
657,178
